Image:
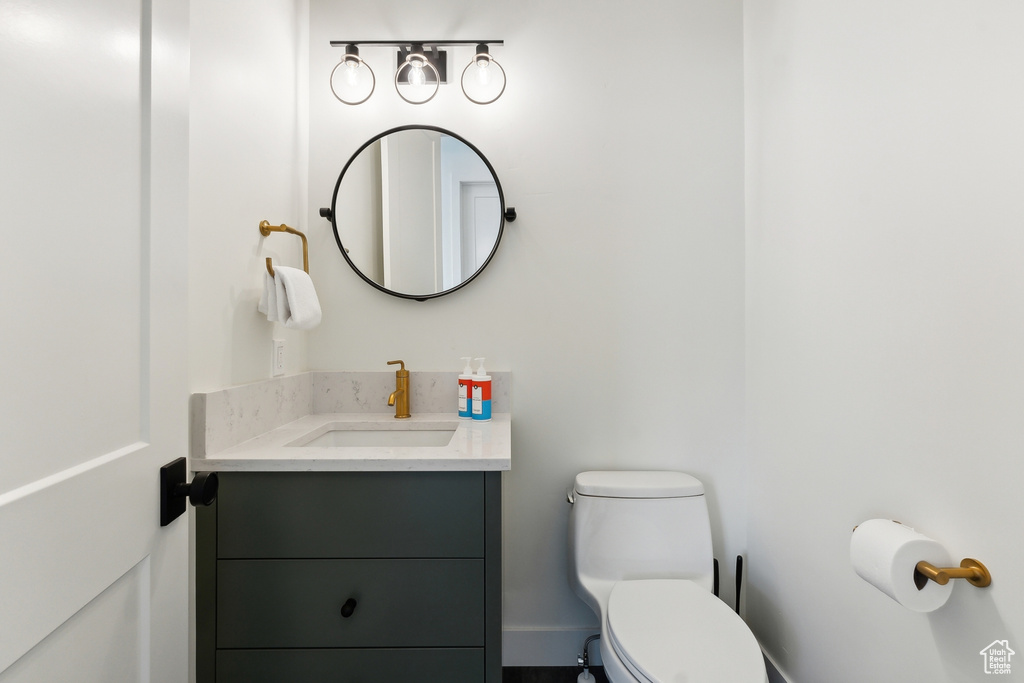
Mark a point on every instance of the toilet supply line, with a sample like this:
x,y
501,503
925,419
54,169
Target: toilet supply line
x,y
584,660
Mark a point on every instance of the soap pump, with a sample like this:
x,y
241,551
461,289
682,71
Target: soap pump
x,y
481,406
465,389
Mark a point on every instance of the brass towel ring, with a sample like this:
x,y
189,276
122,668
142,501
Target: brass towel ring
x,y
266,228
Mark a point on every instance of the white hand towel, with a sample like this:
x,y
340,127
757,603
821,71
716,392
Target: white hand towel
x,y
297,305
268,300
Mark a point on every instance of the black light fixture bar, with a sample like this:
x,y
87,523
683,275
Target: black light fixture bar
x,y
409,43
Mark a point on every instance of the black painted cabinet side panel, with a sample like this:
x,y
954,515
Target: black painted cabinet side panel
x,y
206,593
492,569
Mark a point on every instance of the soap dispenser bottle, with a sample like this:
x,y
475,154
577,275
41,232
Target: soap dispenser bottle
x,y
465,389
481,406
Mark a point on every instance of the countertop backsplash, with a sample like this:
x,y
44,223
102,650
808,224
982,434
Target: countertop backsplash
x,y
225,418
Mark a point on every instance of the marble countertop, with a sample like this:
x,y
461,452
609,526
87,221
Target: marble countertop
x,y
474,446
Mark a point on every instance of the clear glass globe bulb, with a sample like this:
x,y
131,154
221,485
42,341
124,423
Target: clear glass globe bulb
x,y
416,75
483,74
352,72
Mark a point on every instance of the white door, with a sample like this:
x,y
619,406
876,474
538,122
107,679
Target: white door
x,y
480,219
93,213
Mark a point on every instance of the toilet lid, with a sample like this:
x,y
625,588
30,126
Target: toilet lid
x,y
637,484
674,630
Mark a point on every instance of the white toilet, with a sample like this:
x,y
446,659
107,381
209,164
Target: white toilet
x,y
640,557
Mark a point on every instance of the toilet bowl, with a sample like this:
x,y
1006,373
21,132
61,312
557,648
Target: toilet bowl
x,y
640,557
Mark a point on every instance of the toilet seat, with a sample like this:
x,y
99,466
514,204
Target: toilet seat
x,y
667,630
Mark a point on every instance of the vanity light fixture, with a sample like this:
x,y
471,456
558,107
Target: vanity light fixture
x,y
421,70
352,80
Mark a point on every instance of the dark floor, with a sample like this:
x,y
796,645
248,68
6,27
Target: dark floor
x,y
548,674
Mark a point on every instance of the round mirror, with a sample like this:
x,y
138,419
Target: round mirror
x,y
418,212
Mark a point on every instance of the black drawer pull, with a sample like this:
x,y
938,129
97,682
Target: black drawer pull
x,y
348,608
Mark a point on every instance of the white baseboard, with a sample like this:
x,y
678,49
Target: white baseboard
x,y
560,646
537,646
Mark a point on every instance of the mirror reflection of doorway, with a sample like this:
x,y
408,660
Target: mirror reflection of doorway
x,y
480,219
440,211
462,167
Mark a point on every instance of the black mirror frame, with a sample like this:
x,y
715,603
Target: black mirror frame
x,y
507,215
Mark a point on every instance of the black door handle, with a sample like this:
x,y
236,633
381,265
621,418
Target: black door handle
x,y
348,608
202,490
174,490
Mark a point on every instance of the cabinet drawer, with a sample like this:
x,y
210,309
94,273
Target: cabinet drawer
x,y
438,665
399,603
350,514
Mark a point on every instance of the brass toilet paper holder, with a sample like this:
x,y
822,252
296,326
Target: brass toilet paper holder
x,y
974,571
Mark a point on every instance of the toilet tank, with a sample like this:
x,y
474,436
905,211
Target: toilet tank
x,y
628,525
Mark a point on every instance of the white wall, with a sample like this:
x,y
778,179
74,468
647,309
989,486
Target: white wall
x,y
616,299
247,163
885,162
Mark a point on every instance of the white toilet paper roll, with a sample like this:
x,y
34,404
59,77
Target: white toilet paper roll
x,y
884,553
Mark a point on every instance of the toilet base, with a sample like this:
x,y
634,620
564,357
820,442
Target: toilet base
x,y
614,669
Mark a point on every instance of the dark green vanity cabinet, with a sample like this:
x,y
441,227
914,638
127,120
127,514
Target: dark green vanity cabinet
x,y
350,577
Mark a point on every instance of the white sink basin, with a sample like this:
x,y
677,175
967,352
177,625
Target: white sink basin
x,y
364,434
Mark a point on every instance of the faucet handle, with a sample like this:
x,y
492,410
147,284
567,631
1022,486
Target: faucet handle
x,y
398,362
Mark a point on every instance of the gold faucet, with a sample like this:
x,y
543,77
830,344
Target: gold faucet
x,y
399,398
